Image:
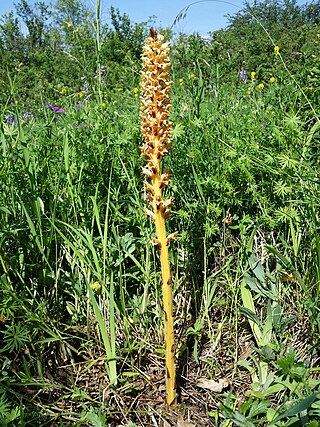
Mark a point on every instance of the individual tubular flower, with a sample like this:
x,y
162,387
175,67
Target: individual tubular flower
x,y
156,131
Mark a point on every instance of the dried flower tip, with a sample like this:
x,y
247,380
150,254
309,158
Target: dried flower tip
x,y
149,173
148,187
164,179
171,237
153,33
150,214
167,203
167,213
155,241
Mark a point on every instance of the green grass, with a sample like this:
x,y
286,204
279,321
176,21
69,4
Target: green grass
x,y
80,310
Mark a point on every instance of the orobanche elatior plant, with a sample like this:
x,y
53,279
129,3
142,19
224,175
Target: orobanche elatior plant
x,y
156,131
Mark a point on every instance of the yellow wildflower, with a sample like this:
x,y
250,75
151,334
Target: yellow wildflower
x,y
249,91
192,76
253,75
272,80
276,50
80,94
181,82
120,89
135,90
95,286
260,86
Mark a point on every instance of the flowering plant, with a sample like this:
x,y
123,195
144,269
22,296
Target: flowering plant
x,y
56,109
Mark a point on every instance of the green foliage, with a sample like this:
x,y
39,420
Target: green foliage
x,y
78,288
124,41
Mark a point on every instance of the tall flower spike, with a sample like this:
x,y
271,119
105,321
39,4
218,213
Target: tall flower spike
x,y
156,131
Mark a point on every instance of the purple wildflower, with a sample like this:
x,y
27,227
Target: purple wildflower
x,y
10,119
56,109
26,115
83,126
243,75
85,86
102,70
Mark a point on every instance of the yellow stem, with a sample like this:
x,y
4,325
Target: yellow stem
x,y
171,396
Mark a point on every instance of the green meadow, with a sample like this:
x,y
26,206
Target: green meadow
x,y
81,317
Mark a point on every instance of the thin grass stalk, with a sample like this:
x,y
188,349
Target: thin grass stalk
x,y
156,131
98,45
109,342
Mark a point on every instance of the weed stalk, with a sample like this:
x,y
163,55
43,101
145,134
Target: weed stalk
x,y
156,131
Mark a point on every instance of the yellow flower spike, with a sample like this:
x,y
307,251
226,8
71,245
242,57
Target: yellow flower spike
x,y
156,130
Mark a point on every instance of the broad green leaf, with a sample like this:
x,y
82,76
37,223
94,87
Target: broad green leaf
x,y
257,268
301,406
250,312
